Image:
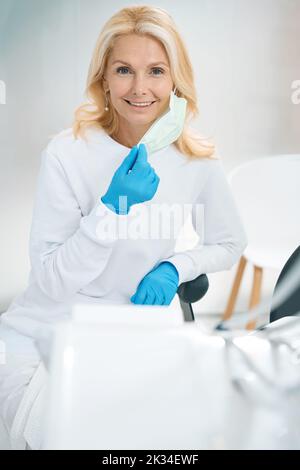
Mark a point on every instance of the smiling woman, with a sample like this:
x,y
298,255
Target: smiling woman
x,y
94,177
138,60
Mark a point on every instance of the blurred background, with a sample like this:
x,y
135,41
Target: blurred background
x,y
246,59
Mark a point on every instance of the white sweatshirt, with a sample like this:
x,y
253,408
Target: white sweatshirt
x,y
71,262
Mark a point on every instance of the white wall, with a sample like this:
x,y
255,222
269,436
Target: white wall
x,y
245,56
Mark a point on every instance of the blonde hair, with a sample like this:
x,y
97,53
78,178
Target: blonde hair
x,y
157,23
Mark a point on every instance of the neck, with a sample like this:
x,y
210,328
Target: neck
x,y
129,136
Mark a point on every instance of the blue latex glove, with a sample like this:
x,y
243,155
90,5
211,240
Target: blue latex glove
x,y
135,181
158,287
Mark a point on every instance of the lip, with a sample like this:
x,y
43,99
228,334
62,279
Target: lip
x,y
140,109
139,102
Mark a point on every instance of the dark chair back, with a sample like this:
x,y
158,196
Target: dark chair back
x,y
291,305
190,292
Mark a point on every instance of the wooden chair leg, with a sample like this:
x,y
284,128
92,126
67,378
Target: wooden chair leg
x,y
255,294
235,289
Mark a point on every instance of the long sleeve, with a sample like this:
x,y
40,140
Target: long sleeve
x,y
66,251
224,237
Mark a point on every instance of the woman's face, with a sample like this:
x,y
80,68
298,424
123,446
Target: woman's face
x,y
138,72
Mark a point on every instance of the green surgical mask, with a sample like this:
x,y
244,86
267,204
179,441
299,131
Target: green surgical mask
x,y
167,128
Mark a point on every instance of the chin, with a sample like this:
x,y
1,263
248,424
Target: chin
x,y
141,119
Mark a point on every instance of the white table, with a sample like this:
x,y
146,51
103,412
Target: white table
x,y
143,385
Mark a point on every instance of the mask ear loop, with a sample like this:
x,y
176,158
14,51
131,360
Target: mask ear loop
x,y
174,91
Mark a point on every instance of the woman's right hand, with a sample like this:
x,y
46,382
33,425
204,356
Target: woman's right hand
x,y
135,181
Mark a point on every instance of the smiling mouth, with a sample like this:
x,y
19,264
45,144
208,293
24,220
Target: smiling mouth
x,y
145,104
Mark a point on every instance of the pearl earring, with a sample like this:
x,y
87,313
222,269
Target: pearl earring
x,y
106,104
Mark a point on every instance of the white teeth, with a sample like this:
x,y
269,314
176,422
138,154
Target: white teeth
x,y
140,104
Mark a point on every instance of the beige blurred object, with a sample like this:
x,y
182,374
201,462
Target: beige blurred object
x,y
267,193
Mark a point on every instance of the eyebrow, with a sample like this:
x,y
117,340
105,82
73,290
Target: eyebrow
x,y
150,65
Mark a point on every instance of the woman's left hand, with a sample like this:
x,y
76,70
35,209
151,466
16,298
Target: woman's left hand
x,y
158,287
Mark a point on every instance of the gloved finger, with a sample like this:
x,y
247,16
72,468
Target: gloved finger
x,y
140,295
166,300
150,298
154,296
159,297
169,298
152,177
150,171
155,183
141,159
142,169
128,161
142,155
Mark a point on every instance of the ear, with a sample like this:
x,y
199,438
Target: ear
x,y
105,84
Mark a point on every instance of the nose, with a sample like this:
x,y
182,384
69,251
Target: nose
x,y
139,86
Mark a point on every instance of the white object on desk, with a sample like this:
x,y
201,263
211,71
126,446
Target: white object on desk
x,y
129,386
170,315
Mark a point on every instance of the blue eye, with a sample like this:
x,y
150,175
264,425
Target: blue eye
x,y
121,69
159,70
